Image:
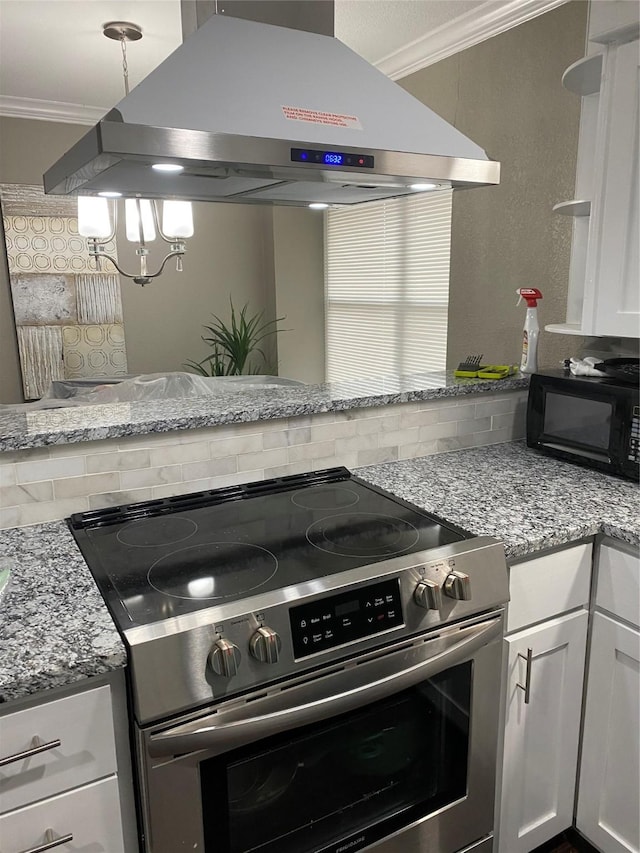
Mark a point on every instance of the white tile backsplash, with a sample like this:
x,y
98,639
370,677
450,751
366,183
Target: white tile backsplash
x,y
50,483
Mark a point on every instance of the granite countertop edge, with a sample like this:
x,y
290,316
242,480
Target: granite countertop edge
x,y
68,425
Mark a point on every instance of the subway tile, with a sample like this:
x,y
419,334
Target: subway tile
x,y
420,448
434,431
84,448
169,490
456,413
122,460
49,469
7,475
237,479
274,440
477,425
342,429
456,442
377,456
299,436
495,407
144,477
179,453
119,498
27,494
506,421
31,454
50,510
265,459
90,484
418,418
315,450
399,437
10,517
210,468
356,443
236,446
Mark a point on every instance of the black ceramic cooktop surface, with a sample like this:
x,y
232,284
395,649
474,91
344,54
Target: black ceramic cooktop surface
x,y
169,557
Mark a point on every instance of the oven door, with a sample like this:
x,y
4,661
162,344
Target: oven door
x,y
394,751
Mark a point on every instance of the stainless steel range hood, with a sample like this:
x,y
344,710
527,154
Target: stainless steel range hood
x,y
265,114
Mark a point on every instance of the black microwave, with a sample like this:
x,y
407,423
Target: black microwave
x,y
585,419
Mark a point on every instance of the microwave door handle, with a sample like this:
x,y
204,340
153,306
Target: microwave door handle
x,y
205,734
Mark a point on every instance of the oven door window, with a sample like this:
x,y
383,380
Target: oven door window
x,y
355,778
578,422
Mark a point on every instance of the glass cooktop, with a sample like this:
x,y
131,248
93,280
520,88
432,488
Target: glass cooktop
x,y
169,557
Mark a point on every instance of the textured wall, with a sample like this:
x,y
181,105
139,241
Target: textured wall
x,y
506,94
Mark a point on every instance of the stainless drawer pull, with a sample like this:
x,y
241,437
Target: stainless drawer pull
x,y
51,841
37,746
527,676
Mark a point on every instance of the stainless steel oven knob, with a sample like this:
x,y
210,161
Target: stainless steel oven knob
x,y
458,585
427,594
265,645
224,658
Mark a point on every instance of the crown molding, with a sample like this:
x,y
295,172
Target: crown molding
x,y
33,108
485,21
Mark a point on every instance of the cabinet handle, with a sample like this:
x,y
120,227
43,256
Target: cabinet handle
x,y
37,746
527,676
51,841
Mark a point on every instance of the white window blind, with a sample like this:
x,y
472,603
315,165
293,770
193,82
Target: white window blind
x,y
387,286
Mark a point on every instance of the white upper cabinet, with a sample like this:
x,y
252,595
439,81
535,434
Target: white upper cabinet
x,y
604,293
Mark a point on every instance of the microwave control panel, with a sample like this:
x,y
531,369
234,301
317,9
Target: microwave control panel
x,y
342,618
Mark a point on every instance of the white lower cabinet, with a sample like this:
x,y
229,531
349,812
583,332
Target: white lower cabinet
x,y
608,812
541,731
87,818
65,774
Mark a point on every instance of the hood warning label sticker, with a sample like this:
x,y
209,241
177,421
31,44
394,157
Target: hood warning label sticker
x,y
317,117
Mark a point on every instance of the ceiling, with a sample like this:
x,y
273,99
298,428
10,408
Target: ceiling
x,y
55,63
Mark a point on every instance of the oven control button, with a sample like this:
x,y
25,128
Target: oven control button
x,y
458,585
224,658
265,645
427,594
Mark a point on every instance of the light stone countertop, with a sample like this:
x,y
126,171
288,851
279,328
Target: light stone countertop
x,y
55,629
42,427
529,501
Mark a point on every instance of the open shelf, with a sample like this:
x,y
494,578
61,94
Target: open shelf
x,y
575,207
564,329
583,77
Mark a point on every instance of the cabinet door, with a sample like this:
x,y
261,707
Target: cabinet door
x,y
539,764
608,811
612,300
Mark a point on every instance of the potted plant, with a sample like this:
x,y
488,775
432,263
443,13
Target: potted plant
x,y
235,347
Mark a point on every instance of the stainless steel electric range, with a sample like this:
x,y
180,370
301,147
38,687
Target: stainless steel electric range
x,y
314,667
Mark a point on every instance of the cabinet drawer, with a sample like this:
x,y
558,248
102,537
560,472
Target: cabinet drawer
x,y
82,724
548,586
90,814
619,584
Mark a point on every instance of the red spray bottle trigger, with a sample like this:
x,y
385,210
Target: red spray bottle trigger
x,y
530,294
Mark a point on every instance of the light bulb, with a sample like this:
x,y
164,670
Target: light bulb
x,y
423,187
318,205
177,219
133,220
93,217
168,167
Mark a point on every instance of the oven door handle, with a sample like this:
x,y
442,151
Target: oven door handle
x,y
319,699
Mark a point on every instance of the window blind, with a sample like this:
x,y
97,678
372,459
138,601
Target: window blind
x,y
387,286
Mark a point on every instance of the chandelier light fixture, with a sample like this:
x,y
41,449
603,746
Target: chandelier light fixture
x,y
98,215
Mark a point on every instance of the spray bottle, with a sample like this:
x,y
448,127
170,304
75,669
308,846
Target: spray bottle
x,y
529,362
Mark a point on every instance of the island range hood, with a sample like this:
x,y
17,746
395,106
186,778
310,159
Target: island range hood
x,y
257,113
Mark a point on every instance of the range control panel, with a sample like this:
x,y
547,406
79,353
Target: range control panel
x,y
343,618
